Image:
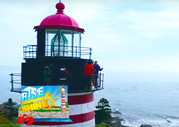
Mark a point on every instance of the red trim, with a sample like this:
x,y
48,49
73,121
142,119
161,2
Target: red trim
x,y
80,99
75,118
59,27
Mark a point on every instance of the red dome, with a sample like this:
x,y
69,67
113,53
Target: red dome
x,y
59,21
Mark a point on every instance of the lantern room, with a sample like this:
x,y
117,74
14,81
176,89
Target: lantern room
x,y
59,35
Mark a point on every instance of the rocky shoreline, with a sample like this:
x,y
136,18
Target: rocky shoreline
x,y
117,121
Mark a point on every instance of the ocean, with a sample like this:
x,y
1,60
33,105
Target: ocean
x,y
144,98
141,98
5,85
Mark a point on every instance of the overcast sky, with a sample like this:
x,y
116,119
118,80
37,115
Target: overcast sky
x,y
126,35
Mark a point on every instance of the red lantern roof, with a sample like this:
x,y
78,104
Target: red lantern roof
x,y
59,21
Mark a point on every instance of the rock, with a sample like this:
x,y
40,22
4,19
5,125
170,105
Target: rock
x,y
116,122
117,112
145,125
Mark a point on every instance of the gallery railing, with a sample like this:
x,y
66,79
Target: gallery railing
x,y
30,51
93,86
15,82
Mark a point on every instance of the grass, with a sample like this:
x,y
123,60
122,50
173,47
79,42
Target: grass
x,y
101,125
10,124
5,122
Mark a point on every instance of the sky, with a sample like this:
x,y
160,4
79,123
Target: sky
x,y
134,36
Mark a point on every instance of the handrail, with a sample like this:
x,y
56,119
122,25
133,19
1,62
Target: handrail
x,y
30,51
100,80
15,82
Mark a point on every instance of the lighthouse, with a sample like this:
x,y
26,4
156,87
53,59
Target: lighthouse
x,y
63,102
59,59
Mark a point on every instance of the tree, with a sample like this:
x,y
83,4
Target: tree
x,y
103,112
9,109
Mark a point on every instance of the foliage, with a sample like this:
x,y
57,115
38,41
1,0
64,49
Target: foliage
x,y
9,109
3,119
101,125
10,124
5,122
103,112
67,105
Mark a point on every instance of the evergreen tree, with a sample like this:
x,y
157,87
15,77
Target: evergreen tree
x,y
9,109
103,112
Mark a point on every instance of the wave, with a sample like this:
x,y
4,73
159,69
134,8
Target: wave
x,y
156,120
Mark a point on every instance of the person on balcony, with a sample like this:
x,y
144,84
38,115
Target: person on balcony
x,y
47,74
97,69
89,70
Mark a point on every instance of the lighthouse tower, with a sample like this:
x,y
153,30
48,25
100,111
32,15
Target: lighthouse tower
x,y
59,59
63,102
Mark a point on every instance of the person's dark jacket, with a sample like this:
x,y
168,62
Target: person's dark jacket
x,y
97,68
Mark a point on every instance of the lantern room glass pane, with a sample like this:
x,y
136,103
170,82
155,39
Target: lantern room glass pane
x,y
58,43
77,44
66,43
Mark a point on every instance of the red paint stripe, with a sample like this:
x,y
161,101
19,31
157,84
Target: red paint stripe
x,y
75,118
80,99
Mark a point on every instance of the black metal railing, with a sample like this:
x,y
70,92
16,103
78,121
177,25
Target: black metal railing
x,y
99,85
15,82
95,83
30,51
100,81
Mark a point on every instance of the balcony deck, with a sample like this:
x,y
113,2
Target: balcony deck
x,y
16,84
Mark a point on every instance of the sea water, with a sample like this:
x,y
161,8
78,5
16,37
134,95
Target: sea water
x,y
144,99
141,98
5,85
